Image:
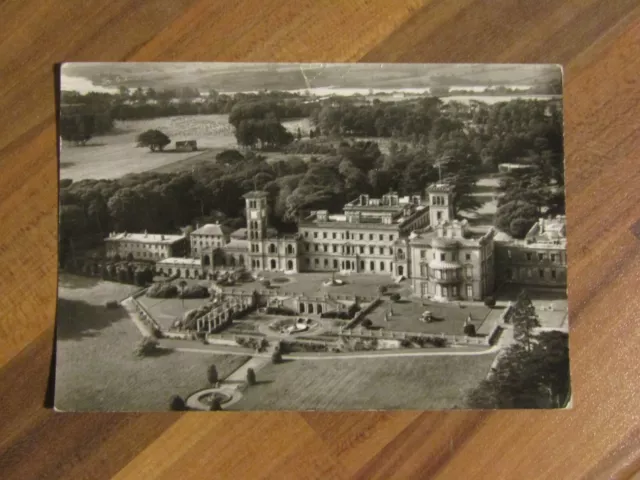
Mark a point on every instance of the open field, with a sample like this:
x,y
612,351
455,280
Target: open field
x,y
449,317
116,154
366,383
95,365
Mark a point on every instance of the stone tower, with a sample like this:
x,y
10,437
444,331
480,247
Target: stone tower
x,y
257,224
440,203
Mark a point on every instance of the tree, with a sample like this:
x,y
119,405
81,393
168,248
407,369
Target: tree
x,y
145,347
176,403
212,374
490,302
470,330
276,357
183,284
154,139
525,213
251,376
536,378
395,297
524,320
77,128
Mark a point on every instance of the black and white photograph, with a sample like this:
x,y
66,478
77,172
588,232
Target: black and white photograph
x,y
265,236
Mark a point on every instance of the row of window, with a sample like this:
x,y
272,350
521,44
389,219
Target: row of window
x,y
255,263
440,274
256,203
438,200
542,274
150,255
351,249
350,236
541,256
351,265
255,248
449,290
451,256
141,246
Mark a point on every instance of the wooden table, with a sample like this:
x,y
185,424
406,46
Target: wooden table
x,y
597,41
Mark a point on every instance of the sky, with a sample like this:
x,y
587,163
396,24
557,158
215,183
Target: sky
x,y
233,77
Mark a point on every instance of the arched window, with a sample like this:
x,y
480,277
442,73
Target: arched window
x,y
272,248
290,249
273,264
311,308
382,266
289,265
240,260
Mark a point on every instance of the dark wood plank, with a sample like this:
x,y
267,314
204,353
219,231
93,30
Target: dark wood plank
x,y
597,41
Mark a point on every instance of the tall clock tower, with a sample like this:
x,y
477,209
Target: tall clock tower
x,y
257,223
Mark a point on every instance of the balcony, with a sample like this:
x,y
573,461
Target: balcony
x,y
446,279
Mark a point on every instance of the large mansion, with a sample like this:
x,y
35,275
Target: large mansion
x,y
417,238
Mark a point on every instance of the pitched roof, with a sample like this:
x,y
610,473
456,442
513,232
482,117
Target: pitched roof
x,y
212,229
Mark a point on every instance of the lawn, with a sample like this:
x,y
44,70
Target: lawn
x,y
312,284
98,291
449,317
425,383
166,310
95,365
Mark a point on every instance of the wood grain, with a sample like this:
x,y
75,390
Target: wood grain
x,y
597,41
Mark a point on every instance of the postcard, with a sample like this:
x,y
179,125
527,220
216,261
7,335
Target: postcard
x,y
257,236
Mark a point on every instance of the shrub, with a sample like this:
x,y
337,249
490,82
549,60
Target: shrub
x,y
176,403
470,330
162,290
266,283
194,291
251,376
382,289
276,357
112,304
438,342
367,323
353,309
216,406
490,302
280,311
395,297
145,347
212,374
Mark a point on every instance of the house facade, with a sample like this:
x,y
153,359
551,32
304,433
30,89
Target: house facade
x,y
145,246
414,237
539,260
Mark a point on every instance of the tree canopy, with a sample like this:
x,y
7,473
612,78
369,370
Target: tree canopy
x,y
154,139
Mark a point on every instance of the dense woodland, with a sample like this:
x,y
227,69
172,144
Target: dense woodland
x,y
427,139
